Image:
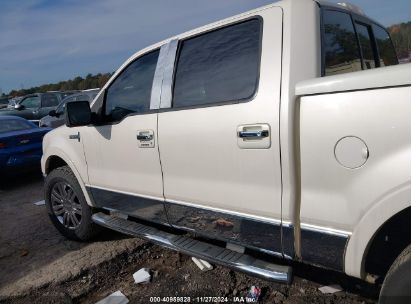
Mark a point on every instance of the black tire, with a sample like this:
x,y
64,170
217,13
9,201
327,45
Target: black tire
x,y
84,229
396,288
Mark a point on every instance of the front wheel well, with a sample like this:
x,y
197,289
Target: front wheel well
x,y
54,162
388,243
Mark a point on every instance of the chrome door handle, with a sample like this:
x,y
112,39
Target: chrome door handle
x,y
253,134
75,136
144,136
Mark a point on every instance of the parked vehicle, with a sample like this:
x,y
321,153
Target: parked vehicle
x,y
4,101
284,130
34,107
20,145
13,102
56,117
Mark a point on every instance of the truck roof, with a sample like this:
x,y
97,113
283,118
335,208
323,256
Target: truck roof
x,y
342,5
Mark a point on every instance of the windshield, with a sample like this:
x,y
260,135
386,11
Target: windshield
x,y
10,125
31,102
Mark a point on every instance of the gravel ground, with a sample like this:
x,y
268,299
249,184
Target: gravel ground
x,y
38,265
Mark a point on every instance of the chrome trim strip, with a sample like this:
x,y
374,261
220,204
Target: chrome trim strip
x,y
326,230
200,249
167,85
156,198
320,246
235,213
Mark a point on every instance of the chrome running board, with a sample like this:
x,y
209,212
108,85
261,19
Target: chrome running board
x,y
199,249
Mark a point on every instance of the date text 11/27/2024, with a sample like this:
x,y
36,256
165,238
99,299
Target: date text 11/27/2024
x,y
238,299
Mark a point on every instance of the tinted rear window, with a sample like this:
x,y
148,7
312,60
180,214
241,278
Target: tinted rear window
x,y
340,44
218,66
10,125
49,100
388,56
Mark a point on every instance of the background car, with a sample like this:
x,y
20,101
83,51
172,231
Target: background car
x,y
20,145
35,106
4,101
56,118
13,101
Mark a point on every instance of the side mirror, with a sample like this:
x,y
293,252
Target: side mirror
x,y
53,113
19,107
77,114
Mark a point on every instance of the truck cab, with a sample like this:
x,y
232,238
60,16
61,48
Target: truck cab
x,y
262,133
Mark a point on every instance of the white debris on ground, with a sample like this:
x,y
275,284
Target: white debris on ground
x,y
203,265
39,203
115,298
330,289
142,276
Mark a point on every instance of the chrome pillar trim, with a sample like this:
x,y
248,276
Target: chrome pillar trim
x,y
167,85
158,77
199,249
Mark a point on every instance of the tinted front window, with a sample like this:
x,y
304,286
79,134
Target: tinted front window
x,y
388,56
10,125
364,36
131,91
31,102
218,66
49,100
340,44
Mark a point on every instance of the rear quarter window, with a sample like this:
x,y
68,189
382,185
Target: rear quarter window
x,y
388,55
340,47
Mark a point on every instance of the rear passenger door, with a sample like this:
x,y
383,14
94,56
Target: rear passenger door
x,y
219,133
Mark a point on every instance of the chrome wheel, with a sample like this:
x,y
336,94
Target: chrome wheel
x,y
66,205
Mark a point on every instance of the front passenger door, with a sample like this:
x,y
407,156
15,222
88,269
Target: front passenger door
x,y
122,155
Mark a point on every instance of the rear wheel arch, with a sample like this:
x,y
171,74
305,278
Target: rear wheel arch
x,y
387,243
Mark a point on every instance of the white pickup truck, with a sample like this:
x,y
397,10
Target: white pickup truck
x,y
284,131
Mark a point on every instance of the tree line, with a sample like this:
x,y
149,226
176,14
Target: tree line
x,y
77,83
401,37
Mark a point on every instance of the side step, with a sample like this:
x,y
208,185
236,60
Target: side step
x,y
202,250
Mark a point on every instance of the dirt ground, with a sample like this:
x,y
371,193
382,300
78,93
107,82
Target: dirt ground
x,y
38,265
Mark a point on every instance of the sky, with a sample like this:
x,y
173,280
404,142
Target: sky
x,y
46,41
